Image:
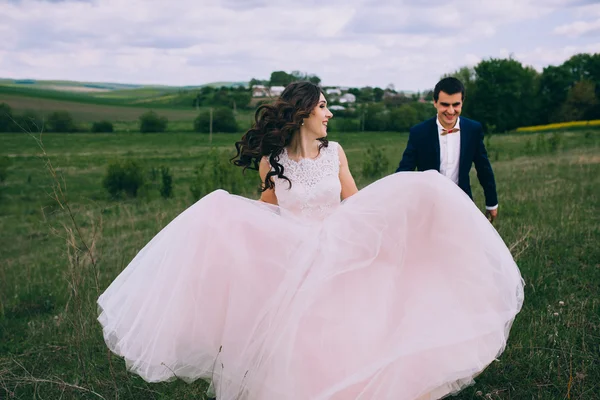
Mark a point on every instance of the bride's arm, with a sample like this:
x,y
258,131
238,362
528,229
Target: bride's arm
x,y
268,196
348,185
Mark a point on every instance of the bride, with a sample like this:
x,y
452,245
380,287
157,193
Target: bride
x,y
402,290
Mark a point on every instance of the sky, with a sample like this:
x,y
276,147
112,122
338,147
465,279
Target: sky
x,y
409,44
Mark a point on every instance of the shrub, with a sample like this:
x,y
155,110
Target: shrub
x,y
166,186
6,118
4,164
344,125
123,177
60,121
223,120
540,143
29,121
376,117
528,148
152,122
375,163
554,142
402,118
102,127
217,172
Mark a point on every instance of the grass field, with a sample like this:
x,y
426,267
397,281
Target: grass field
x,y
162,97
51,345
121,107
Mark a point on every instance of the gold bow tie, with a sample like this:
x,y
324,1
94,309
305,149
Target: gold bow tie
x,y
447,131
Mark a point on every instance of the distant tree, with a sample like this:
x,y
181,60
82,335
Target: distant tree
x,y
580,103
6,118
280,78
504,94
60,121
367,94
298,76
396,100
223,121
28,121
102,127
314,79
466,75
152,122
254,82
378,94
587,67
402,118
376,117
555,83
584,67
424,110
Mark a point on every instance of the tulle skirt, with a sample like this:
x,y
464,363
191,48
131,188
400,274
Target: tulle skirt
x,y
404,290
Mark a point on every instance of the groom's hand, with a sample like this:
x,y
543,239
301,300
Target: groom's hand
x,y
491,215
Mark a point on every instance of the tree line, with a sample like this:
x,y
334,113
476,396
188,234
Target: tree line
x,y
501,93
504,94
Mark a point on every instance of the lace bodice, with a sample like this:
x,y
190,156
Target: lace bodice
x,y
316,187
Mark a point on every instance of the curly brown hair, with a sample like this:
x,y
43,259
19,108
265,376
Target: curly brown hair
x,y
274,127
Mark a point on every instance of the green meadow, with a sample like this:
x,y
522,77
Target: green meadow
x,y
120,105
63,239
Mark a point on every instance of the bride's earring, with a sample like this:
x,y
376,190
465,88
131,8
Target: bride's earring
x,y
302,123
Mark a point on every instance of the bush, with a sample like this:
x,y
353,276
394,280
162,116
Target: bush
x,y
402,118
554,142
60,121
376,117
123,177
375,163
166,187
102,127
424,110
6,118
152,122
217,172
344,125
223,120
29,121
4,164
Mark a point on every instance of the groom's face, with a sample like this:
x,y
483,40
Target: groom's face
x,y
448,108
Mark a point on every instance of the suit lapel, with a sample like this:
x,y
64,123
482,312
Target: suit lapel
x,y
464,139
435,139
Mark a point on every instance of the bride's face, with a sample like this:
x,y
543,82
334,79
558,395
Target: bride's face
x,y
316,124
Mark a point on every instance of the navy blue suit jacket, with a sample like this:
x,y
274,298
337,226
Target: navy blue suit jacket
x,y
423,153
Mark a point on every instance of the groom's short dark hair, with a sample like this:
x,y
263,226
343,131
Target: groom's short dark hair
x,y
448,85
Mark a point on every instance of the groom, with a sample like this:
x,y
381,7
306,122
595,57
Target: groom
x,y
450,145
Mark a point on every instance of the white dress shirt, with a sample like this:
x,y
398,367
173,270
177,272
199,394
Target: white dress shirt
x,y
450,153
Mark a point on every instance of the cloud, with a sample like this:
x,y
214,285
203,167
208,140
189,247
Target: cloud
x,y
541,57
409,43
578,28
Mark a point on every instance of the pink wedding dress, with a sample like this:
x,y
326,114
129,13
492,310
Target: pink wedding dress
x,y
402,291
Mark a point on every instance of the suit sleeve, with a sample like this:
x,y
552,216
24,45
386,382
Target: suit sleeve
x,y
485,174
409,158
